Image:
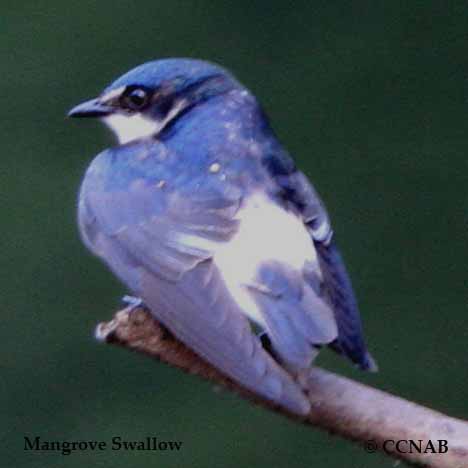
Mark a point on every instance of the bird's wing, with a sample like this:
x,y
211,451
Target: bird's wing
x,y
145,233
337,286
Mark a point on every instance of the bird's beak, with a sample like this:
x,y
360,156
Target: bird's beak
x,y
91,108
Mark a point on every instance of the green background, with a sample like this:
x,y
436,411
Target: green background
x,y
371,99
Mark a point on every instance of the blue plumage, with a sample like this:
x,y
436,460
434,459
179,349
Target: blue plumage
x,y
202,214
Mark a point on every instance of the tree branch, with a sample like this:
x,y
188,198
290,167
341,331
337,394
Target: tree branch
x,y
339,405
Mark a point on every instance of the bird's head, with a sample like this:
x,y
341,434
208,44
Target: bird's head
x,y
145,100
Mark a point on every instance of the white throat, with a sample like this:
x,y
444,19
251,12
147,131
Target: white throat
x,y
129,127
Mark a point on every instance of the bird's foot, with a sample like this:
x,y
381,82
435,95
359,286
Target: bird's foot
x,y
134,302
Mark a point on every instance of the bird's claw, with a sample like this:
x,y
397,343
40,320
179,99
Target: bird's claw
x,y
134,302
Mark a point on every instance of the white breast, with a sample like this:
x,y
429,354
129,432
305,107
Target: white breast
x,y
266,232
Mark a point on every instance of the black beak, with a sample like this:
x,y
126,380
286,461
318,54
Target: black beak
x,y
91,108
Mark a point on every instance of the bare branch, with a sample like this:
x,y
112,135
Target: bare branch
x,y
339,405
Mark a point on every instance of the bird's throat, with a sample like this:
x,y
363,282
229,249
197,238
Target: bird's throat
x,y
130,127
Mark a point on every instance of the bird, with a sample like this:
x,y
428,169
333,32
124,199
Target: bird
x,y
202,213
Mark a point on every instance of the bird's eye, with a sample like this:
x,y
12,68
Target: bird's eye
x,y
135,99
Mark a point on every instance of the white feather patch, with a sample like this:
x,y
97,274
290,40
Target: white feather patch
x,y
266,232
131,127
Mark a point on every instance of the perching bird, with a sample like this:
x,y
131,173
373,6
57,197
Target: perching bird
x,y
202,213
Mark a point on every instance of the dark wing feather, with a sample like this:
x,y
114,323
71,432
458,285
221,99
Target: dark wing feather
x,y
297,191
341,295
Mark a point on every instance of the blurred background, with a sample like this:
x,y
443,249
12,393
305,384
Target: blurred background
x,y
370,97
